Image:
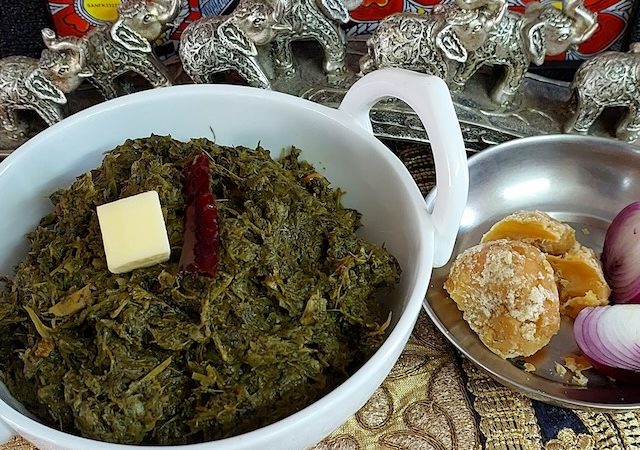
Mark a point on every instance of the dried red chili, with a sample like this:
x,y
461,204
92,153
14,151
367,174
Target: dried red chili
x,y
201,244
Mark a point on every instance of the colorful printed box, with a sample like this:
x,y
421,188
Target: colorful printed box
x,y
76,17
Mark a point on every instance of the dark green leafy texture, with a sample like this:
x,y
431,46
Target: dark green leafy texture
x,y
153,357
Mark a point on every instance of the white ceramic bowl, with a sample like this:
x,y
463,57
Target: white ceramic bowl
x,y
339,142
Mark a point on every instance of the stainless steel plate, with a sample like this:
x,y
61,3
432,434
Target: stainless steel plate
x,y
581,180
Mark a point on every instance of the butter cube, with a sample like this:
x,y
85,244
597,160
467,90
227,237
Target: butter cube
x,y
133,232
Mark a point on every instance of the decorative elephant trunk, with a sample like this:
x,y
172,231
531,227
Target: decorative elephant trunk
x,y
164,11
585,23
338,10
143,20
564,29
171,11
65,76
52,43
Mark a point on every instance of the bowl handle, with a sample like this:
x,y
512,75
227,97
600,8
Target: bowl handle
x,y
429,97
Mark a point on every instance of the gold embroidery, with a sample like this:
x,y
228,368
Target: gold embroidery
x,y
603,429
402,440
411,362
422,405
507,419
377,412
340,442
629,428
448,393
567,440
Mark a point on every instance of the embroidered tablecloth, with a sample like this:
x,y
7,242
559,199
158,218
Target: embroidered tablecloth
x,y
434,400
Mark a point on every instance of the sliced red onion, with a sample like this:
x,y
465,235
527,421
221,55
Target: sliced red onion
x,y
621,255
594,340
610,342
610,337
627,323
586,337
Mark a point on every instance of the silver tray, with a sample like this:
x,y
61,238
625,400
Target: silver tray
x,y
582,180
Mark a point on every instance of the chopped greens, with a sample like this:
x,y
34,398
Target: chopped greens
x,y
158,357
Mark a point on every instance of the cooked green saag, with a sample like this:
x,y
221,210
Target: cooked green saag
x,y
156,357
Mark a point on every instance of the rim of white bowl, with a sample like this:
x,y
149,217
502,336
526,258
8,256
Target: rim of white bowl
x,y
397,338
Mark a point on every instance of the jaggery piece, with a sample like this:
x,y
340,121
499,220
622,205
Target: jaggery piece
x,y
560,369
577,363
508,295
580,280
536,228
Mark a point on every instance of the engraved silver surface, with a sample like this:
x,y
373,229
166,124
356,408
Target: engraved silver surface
x,y
316,20
455,41
608,79
432,43
216,44
255,40
582,180
521,39
39,86
123,48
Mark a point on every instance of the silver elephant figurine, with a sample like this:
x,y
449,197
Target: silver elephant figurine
x,y
39,86
317,20
218,44
608,79
431,43
124,46
522,39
